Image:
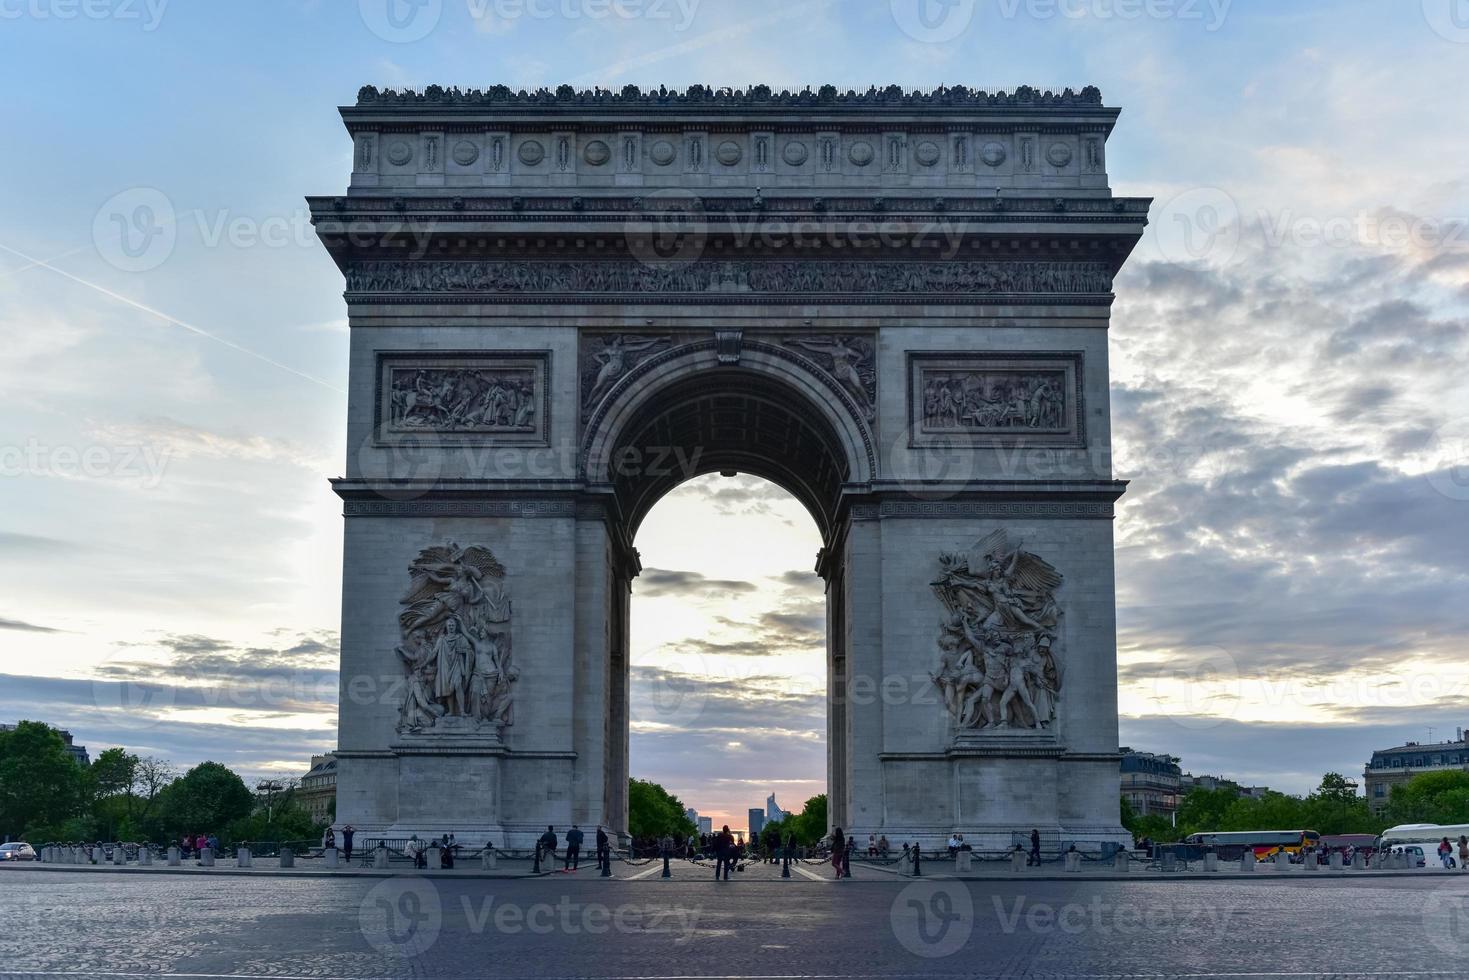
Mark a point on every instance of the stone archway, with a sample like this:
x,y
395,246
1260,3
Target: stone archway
x,y
550,293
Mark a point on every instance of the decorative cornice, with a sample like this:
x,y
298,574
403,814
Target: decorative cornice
x,y
459,508
703,97
983,509
609,280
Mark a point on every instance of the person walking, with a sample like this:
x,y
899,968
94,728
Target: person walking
x,y
1035,849
724,847
838,849
847,858
604,850
416,850
1463,853
547,843
1446,853
574,837
348,832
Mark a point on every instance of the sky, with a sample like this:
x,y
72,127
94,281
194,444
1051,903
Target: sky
x,y
1288,354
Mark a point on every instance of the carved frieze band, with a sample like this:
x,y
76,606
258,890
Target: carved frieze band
x,y
998,509
457,397
996,398
865,281
459,508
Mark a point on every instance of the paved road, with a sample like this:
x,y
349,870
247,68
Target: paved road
x,y
97,923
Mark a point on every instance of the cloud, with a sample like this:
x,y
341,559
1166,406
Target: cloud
x,y
24,627
666,582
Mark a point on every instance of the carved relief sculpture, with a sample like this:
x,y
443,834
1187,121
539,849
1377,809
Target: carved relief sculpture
x,y
994,400
456,643
849,360
463,400
1000,661
605,360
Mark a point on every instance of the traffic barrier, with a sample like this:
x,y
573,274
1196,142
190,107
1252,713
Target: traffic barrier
x,y
1312,862
206,857
243,858
1017,860
145,855
435,858
963,861
488,859
380,857
1247,861
1073,861
1122,862
1282,861
1211,862
1170,861
288,858
331,857
174,858
1359,863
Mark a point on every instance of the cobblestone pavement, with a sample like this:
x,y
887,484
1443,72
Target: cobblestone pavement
x,y
95,923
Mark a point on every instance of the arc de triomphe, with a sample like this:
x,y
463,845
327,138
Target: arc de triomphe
x,y
893,305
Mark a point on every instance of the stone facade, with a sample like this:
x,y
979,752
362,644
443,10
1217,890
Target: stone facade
x,y
894,305
1393,767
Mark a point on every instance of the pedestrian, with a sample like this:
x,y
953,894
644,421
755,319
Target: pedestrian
x,y
347,834
955,839
574,837
882,846
724,848
872,845
213,842
547,843
328,839
847,857
446,852
604,850
1463,853
416,851
1035,849
1446,853
838,849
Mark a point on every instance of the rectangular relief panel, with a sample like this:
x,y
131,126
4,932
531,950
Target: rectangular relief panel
x,y
996,398
464,397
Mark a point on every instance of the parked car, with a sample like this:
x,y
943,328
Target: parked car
x,y
17,851
1417,854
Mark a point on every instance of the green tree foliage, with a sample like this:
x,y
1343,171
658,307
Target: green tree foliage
x,y
206,799
283,822
1149,825
810,825
1431,797
41,785
653,812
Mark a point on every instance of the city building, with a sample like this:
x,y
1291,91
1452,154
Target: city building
x,y
1150,782
78,752
693,816
773,812
706,825
757,821
1397,765
319,788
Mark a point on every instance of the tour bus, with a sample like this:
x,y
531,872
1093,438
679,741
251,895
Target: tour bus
x,y
1230,845
1425,835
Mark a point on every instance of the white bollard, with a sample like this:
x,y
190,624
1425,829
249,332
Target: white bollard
x,y
1170,861
332,857
1073,861
1247,861
174,858
1122,862
488,859
380,857
206,857
1334,861
1312,862
1359,862
145,855
288,858
1017,860
1211,861
436,858
119,856
963,861
243,858
1282,861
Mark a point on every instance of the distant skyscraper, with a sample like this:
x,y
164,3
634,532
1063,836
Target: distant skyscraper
x,y
693,816
706,825
757,821
773,812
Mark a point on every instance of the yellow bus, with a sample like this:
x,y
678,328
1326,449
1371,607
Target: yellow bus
x,y
1265,843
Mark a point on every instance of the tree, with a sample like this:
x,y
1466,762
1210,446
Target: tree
x,y
810,825
1150,825
653,812
206,799
1335,808
41,785
1431,797
1202,810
